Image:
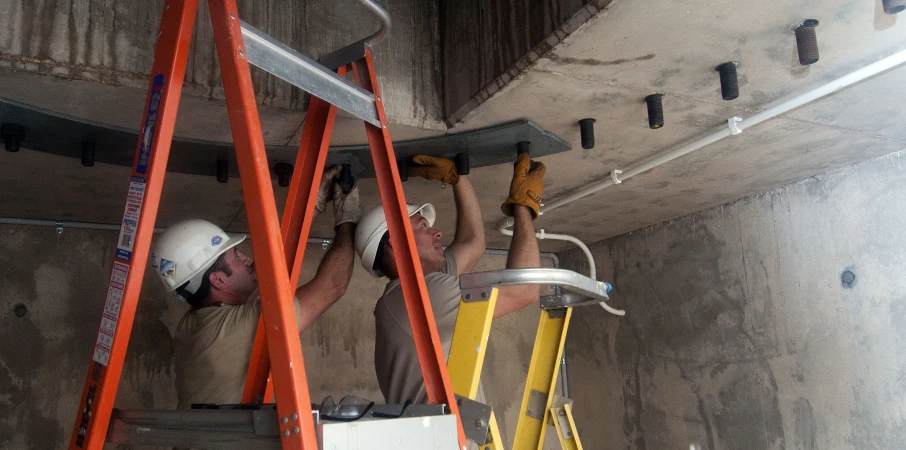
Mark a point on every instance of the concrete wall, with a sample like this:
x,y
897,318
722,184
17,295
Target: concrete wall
x,y
487,43
62,280
112,42
740,334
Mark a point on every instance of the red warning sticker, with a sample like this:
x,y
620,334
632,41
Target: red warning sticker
x,y
111,312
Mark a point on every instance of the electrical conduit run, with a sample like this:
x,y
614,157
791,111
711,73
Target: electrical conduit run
x,y
735,126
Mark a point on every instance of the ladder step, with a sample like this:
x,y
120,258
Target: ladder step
x,y
307,74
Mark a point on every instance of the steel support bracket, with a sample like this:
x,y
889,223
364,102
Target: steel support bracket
x,y
476,417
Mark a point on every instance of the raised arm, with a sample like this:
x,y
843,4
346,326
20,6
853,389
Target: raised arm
x,y
335,270
523,205
469,242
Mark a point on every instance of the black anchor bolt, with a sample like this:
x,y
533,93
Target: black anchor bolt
x,y
587,133
284,173
894,6
223,170
12,135
729,81
655,111
807,42
346,180
88,153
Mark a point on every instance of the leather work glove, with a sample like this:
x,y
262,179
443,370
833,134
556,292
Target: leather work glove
x,y
434,168
527,186
326,189
346,207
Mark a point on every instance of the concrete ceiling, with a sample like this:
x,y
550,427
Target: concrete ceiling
x,y
603,70
630,50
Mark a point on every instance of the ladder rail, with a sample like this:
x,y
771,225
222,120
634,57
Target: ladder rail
x,y
284,345
148,170
412,279
298,216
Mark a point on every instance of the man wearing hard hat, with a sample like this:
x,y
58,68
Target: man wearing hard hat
x,y
199,263
395,358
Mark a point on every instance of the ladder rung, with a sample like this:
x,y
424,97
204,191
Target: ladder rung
x,y
285,63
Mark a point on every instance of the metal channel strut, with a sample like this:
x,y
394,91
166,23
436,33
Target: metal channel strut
x,y
287,64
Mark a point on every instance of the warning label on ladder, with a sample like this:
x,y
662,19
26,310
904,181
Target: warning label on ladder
x,y
111,312
130,218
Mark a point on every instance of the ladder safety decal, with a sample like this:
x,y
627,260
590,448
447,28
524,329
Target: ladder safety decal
x,y
111,312
134,200
144,154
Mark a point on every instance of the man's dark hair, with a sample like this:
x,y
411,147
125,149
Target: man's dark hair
x,y
220,265
379,262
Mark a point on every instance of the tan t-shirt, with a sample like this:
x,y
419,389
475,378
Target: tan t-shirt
x,y
395,359
212,349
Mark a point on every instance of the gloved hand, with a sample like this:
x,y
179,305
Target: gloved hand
x,y
434,168
346,207
326,189
527,186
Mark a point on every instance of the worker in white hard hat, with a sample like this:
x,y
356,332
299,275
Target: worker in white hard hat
x,y
395,358
200,264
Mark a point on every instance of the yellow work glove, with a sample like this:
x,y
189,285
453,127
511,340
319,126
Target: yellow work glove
x,y
527,186
434,168
325,190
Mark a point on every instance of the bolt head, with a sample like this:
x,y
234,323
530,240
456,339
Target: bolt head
x,y
807,23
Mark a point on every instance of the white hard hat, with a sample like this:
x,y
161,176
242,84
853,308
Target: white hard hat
x,y
372,227
183,253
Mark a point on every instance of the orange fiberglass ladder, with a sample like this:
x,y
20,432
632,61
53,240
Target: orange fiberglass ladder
x,y
278,248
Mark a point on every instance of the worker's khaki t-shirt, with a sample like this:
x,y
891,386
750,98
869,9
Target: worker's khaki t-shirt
x,y
395,359
213,346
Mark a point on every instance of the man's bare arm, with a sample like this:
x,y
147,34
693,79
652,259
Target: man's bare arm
x,y
469,242
523,254
331,280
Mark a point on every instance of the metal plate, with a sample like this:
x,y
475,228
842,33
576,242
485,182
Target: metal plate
x,y
63,135
536,405
476,418
567,300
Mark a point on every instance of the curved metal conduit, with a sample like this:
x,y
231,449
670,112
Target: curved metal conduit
x,y
384,16
735,126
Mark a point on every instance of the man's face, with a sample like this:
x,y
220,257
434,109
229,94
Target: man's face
x,y
427,241
243,280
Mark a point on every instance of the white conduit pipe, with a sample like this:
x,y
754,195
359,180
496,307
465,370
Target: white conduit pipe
x,y
324,242
735,126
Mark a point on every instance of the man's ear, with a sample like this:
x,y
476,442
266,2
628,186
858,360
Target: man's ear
x,y
218,280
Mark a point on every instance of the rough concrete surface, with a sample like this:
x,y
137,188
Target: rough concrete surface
x,y
483,41
741,331
110,42
630,50
603,70
61,280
